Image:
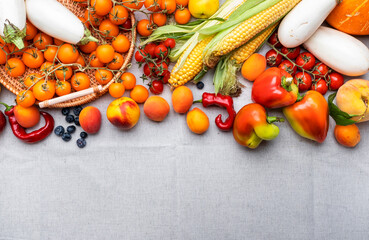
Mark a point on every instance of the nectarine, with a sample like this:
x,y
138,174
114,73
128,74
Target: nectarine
x,y
90,119
156,108
123,113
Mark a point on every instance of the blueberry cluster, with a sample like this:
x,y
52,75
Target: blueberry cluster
x,y
71,117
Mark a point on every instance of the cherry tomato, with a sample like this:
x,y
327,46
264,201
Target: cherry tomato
x,y
160,68
273,58
169,43
273,39
166,76
144,27
303,80
306,60
320,86
161,51
149,69
127,25
288,67
156,87
150,49
140,55
320,70
335,81
291,53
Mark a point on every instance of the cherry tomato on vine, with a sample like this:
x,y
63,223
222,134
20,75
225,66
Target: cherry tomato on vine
x,y
320,86
156,87
306,60
291,53
144,28
140,55
161,51
127,25
273,58
149,69
116,90
335,81
303,80
150,49
273,39
182,16
160,68
320,70
166,77
288,67
169,43
25,98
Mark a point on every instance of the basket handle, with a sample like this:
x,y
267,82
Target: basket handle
x,y
50,102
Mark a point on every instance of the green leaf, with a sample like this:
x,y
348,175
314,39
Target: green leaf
x,y
342,118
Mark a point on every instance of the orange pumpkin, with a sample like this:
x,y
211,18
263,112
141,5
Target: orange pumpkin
x,y
351,16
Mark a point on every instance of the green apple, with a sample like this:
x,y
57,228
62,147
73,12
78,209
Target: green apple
x,y
203,8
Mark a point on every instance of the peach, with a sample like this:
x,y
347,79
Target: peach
x,y
182,99
253,66
156,108
348,136
197,121
90,119
352,97
123,113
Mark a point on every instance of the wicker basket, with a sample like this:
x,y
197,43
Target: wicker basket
x,y
15,85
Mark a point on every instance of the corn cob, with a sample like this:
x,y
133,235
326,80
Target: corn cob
x,y
248,29
192,66
225,79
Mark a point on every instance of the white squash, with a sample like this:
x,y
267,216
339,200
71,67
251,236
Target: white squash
x,y
54,19
303,20
340,51
13,21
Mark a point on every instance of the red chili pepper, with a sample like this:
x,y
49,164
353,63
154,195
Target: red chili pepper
x,y
31,137
209,99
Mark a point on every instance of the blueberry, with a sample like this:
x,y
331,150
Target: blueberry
x,y
59,130
71,129
65,111
66,137
83,135
69,118
81,143
76,121
200,85
77,110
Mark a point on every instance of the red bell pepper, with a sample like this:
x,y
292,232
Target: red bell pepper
x,y
274,88
309,117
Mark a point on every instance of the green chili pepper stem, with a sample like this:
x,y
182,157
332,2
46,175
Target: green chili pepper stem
x,y
274,119
8,108
197,101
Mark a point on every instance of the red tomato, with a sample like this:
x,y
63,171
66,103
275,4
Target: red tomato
x,y
140,55
161,51
320,86
149,69
166,76
273,58
303,80
320,70
335,81
291,53
150,49
169,43
306,60
127,25
288,67
273,39
161,68
156,87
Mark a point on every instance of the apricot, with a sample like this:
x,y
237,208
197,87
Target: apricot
x,y
253,66
182,99
348,136
27,117
156,108
197,121
123,113
352,97
90,119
